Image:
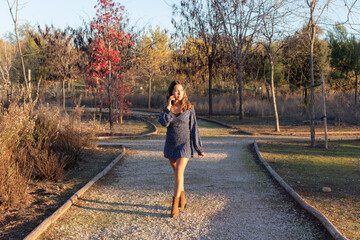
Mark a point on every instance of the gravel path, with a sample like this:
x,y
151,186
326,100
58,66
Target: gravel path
x,y
229,197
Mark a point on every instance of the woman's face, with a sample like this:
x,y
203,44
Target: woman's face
x,y
178,92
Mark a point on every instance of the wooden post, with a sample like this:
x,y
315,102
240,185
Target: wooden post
x,y
29,75
324,112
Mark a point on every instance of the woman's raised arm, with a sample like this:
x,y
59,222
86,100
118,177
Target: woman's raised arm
x,y
166,117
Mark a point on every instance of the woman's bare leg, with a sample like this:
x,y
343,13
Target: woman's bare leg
x,y
179,176
173,166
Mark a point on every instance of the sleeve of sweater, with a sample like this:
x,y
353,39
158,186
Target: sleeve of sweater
x,y
166,117
194,132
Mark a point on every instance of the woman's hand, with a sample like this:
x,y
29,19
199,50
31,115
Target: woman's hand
x,y
201,155
171,98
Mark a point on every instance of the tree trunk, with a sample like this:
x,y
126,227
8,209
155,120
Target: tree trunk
x,y
149,94
110,98
63,90
240,82
267,90
306,100
15,20
203,83
312,98
356,89
121,114
7,93
324,112
58,93
95,104
266,83
312,104
110,115
101,105
210,65
21,57
277,126
69,85
73,93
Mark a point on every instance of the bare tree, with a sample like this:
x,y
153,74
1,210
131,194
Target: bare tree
x,y
353,14
355,59
59,54
7,54
197,20
316,9
13,8
239,23
273,16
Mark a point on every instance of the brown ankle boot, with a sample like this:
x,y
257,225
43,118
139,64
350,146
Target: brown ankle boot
x,y
175,207
182,203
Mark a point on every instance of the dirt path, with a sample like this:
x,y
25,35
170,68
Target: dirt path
x,y
229,197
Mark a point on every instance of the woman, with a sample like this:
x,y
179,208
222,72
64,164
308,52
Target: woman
x,y
182,136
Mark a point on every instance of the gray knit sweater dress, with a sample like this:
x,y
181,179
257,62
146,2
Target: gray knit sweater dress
x,y
182,134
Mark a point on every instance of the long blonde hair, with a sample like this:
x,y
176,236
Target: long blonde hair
x,y
185,103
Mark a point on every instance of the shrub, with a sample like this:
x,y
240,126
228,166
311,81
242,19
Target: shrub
x,y
47,164
13,181
58,135
36,143
68,144
16,128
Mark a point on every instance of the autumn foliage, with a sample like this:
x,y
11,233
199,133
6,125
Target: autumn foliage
x,y
109,57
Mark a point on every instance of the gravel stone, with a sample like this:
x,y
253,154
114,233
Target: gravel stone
x,y
229,197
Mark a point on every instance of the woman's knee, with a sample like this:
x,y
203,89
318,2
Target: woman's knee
x,y
179,167
172,163
179,172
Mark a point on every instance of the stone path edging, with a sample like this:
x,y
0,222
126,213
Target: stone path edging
x,y
224,125
154,131
324,221
48,221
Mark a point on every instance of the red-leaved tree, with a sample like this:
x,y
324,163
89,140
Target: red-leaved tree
x,y
109,58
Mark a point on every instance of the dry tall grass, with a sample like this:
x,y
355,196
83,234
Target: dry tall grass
x,y
340,106
16,127
36,142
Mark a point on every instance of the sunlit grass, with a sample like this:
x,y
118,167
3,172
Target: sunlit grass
x,y
128,127
287,126
308,170
206,129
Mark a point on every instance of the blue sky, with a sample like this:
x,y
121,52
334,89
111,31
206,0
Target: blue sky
x,y
61,13
71,12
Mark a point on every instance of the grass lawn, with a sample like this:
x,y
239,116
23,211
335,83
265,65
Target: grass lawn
x,y
308,170
130,126
287,126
